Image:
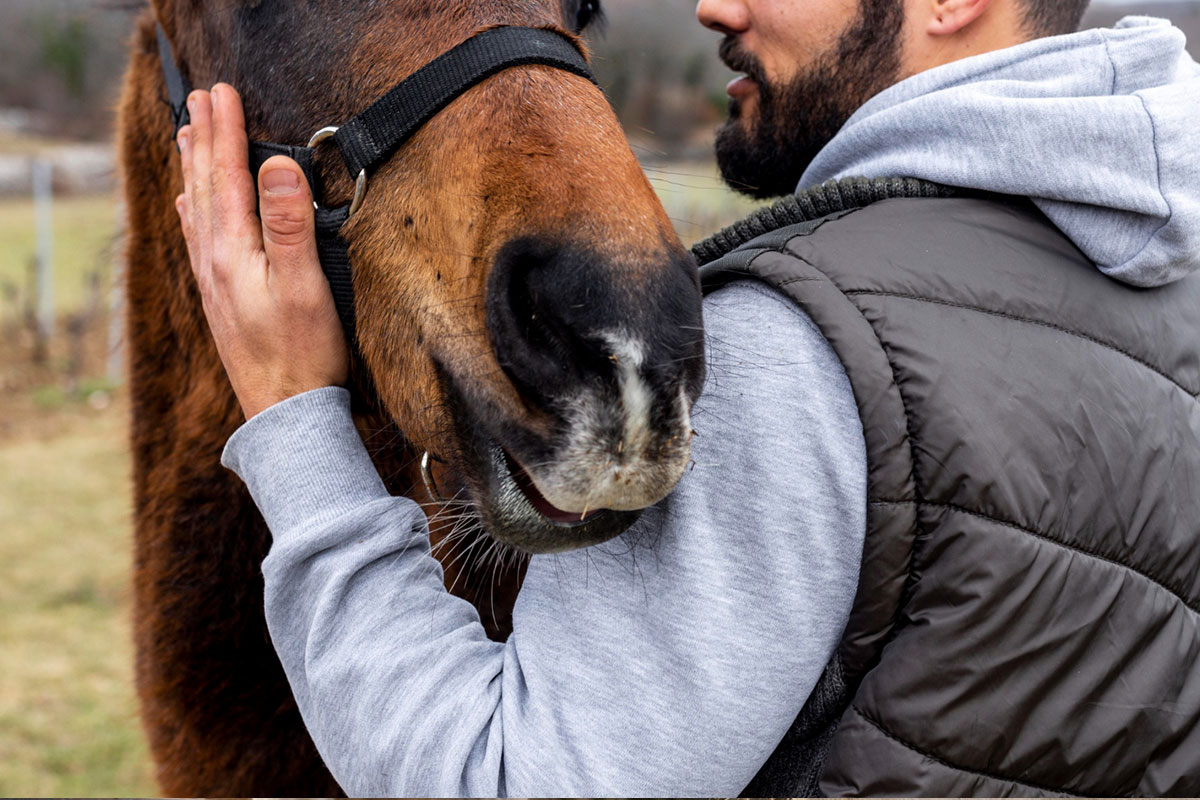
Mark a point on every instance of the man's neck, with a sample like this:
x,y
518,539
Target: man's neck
x,y
1000,26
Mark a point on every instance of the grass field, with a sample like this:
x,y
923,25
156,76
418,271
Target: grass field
x,y
68,716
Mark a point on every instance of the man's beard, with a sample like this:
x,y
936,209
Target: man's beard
x,y
765,157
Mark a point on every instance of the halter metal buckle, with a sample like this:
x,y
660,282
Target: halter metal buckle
x,y
360,185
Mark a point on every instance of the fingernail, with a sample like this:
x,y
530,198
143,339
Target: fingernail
x,y
184,142
281,182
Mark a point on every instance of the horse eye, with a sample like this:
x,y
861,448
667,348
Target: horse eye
x,y
589,12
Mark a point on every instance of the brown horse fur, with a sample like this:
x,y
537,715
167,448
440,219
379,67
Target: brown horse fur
x,y
533,152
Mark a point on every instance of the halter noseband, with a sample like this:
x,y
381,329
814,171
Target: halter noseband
x,y
372,137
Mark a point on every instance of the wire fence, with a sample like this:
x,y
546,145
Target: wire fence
x,y
62,297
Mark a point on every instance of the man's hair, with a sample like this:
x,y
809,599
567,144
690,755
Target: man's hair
x,y
1053,17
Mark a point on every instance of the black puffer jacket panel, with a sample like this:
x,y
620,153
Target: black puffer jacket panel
x,y
1028,618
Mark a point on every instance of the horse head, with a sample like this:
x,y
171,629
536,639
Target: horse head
x,y
524,311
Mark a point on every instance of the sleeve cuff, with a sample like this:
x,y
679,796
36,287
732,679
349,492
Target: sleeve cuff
x,y
304,461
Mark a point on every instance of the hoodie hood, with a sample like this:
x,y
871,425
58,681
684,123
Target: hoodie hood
x,y
1101,129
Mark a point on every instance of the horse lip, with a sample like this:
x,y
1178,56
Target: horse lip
x,y
510,515
556,516
512,476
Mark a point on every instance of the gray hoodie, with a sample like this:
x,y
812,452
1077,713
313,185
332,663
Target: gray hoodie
x,y
1101,128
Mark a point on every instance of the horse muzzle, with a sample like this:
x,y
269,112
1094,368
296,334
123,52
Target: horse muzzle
x,y
612,355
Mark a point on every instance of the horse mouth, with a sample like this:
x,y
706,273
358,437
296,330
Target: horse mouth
x,y
565,519
485,470
516,513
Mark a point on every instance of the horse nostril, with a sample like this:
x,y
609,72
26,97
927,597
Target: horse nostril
x,y
541,317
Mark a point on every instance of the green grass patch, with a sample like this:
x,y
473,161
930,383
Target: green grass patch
x,y
93,391
49,398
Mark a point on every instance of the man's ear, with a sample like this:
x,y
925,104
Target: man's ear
x,y
948,17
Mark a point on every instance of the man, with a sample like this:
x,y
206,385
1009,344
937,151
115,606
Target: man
x,y
947,544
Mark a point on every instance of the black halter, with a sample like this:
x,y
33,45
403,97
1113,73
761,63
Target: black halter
x,y
372,137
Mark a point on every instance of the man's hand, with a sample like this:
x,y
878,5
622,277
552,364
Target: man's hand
x,y
267,302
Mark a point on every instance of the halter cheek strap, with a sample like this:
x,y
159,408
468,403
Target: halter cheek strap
x,y
372,137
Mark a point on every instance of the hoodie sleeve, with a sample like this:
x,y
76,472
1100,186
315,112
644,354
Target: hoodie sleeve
x,y
670,661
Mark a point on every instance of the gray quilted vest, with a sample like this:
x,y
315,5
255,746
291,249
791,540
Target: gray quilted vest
x,y
1028,616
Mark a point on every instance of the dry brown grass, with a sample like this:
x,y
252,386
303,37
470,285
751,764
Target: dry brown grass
x,y
68,722
68,717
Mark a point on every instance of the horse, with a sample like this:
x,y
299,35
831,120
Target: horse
x,y
526,317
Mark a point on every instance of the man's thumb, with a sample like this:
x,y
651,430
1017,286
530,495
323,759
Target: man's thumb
x,y
286,208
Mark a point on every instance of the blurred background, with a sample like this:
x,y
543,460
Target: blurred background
x,y
68,723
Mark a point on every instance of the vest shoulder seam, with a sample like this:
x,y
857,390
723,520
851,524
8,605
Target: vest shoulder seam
x,y
1194,395
821,277
1090,552
790,281
879,726
913,441
914,475
829,198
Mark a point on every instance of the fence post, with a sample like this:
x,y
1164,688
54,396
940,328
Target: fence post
x,y
115,366
43,201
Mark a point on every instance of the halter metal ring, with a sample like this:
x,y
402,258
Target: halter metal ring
x,y
427,477
360,185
